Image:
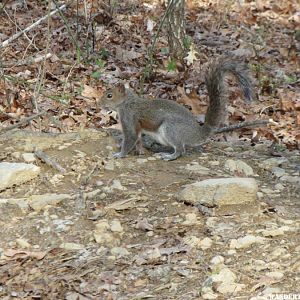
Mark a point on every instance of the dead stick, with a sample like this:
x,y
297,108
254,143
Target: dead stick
x,y
22,122
47,160
18,34
29,61
242,125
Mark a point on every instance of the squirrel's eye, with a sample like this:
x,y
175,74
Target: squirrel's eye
x,y
109,95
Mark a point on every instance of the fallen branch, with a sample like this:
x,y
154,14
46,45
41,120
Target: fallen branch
x,y
22,122
47,160
28,61
18,34
243,125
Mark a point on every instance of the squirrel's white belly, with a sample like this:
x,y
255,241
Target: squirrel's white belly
x,y
158,136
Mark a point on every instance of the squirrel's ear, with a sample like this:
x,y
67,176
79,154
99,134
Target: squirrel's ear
x,y
121,88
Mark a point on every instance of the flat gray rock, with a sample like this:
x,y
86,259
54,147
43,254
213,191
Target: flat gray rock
x,y
16,173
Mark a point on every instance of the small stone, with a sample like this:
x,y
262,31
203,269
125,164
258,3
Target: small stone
x,y
119,251
278,172
231,288
238,166
192,241
28,157
196,168
276,275
118,186
71,246
221,191
209,296
224,275
279,186
273,232
38,202
260,195
246,242
116,226
290,179
16,155
109,165
153,254
229,149
190,219
217,260
16,173
214,163
151,158
270,163
142,160
231,252
23,243
206,243
106,239
102,226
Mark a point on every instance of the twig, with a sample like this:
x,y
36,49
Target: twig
x,y
50,162
22,122
243,125
18,34
28,61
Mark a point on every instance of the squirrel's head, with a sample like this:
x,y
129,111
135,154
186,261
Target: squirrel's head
x,y
112,98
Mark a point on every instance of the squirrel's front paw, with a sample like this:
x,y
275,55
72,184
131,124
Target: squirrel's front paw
x,y
118,155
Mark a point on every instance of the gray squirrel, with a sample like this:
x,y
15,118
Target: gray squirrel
x,y
170,123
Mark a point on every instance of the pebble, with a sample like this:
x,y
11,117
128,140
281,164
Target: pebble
x,y
23,243
28,157
246,241
71,246
206,243
116,226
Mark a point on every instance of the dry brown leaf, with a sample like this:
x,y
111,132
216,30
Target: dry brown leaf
x,y
90,92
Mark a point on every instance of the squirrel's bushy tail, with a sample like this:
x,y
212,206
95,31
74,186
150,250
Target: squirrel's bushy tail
x,y
215,82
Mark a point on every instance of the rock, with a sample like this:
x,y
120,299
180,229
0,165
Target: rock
x,y
276,275
118,186
119,251
196,168
270,163
209,296
273,232
71,246
38,202
279,186
238,166
231,288
192,241
16,173
23,243
214,163
116,226
278,252
28,157
227,192
142,160
224,275
106,239
109,165
190,219
290,179
206,243
278,172
246,241
217,260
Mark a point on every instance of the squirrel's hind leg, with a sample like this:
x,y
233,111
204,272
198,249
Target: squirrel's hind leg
x,y
173,139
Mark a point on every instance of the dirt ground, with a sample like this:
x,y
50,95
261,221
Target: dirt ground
x,y
61,251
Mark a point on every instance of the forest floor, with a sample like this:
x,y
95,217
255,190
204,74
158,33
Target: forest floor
x,y
115,228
